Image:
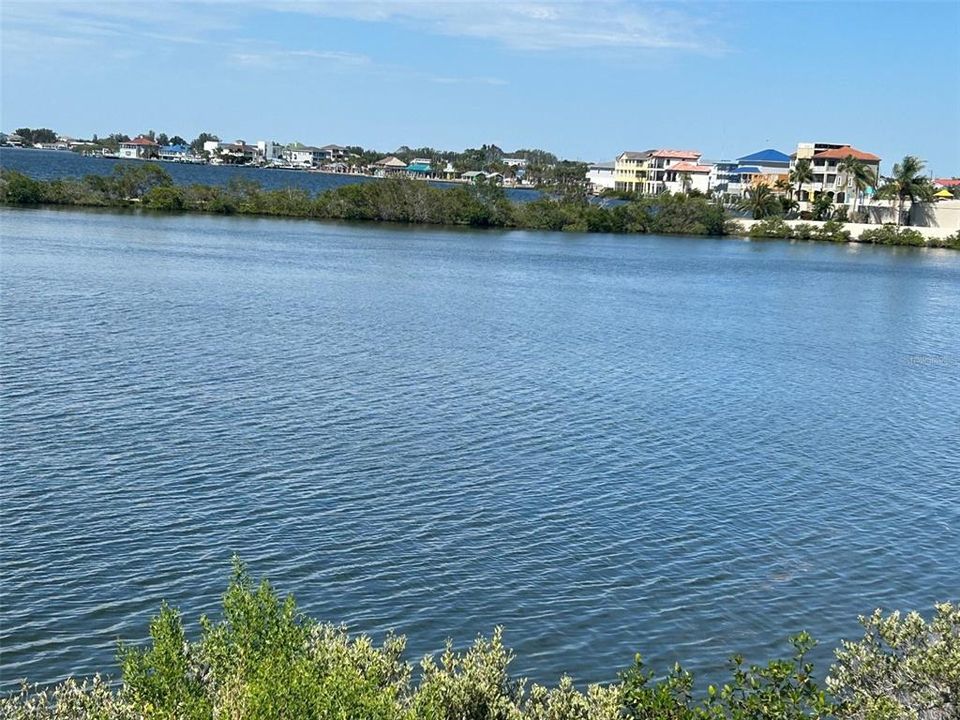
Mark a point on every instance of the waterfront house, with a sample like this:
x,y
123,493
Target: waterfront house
x,y
419,167
764,167
333,153
140,148
235,153
825,159
175,153
601,176
630,170
685,176
660,169
513,162
449,171
476,175
269,151
389,166
303,155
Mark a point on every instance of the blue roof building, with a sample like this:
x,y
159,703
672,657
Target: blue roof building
x,y
768,157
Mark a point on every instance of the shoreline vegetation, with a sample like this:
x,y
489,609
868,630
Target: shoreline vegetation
x,y
561,208
265,659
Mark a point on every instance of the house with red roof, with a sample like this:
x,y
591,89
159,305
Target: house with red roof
x,y
685,176
828,177
660,169
140,148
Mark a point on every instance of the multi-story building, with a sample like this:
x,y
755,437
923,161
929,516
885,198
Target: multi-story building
x,y
304,155
630,170
601,176
825,160
268,151
764,167
659,169
334,153
140,148
683,177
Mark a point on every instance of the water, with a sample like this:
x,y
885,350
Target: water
x,y
53,164
608,444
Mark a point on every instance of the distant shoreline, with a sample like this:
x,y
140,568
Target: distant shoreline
x,y
406,201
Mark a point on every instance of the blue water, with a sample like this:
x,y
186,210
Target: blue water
x,y
608,444
53,164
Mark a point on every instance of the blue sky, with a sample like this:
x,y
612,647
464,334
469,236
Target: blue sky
x,y
582,79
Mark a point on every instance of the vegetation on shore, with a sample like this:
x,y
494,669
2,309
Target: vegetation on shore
x,y
149,186
265,659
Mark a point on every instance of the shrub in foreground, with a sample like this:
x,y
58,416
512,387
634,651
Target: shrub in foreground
x,y
265,659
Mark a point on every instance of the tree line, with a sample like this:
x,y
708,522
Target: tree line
x,y
148,186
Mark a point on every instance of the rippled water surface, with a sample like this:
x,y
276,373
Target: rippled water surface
x,y
607,444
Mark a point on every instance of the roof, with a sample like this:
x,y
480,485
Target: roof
x,y
691,168
765,156
419,167
842,152
746,170
174,149
635,155
943,194
947,182
141,140
602,165
333,147
680,154
390,161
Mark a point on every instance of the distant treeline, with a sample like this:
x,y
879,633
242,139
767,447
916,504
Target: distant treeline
x,y
403,201
150,187
265,660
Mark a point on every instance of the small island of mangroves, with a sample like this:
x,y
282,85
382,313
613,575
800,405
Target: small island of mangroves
x,y
149,187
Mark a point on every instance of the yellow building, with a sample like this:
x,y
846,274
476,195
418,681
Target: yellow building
x,y
630,170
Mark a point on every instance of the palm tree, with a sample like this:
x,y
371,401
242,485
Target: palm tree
x,y
802,173
760,202
907,182
858,175
782,185
686,181
822,207
788,204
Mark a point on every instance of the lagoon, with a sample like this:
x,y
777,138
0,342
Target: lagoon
x,y
684,447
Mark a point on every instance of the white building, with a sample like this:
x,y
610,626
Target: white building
x,y
515,162
268,150
140,148
601,176
303,155
683,177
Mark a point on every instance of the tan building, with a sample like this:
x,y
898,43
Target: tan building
x,y
825,159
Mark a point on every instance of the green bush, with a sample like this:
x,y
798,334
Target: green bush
x,y
803,231
264,659
832,231
18,189
892,235
770,228
165,197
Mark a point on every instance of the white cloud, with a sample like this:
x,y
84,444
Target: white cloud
x,y
537,25
468,81
276,58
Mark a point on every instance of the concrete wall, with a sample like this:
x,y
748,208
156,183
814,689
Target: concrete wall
x,y
939,214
